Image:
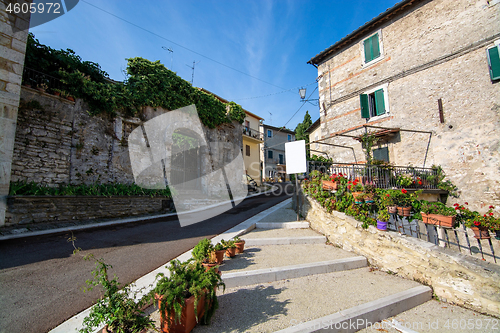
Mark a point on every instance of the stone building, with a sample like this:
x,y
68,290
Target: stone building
x,y
252,140
273,154
427,73
314,133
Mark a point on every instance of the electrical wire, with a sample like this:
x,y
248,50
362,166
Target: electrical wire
x,y
181,46
276,93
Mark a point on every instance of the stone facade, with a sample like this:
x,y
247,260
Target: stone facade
x,y
433,60
13,35
454,277
29,210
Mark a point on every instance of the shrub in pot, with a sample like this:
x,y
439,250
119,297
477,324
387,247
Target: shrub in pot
x,y
115,309
240,244
438,213
187,296
219,252
230,247
204,252
382,219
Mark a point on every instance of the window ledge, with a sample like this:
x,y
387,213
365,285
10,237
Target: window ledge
x,y
374,61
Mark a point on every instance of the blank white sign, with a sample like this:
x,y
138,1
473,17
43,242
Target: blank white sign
x,y
295,153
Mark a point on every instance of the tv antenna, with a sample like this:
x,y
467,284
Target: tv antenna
x,y
192,76
169,49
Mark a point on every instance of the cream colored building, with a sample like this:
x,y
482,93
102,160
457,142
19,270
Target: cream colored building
x,y
314,132
252,139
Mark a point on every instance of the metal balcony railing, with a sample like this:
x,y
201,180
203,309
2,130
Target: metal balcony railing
x,y
381,176
36,79
256,134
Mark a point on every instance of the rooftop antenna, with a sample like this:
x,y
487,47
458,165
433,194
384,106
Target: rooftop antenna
x,y
192,76
169,49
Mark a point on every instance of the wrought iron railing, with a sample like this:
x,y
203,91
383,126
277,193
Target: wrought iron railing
x,y
36,79
381,176
256,134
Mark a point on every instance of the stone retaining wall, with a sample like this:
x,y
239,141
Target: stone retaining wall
x,y
454,277
23,210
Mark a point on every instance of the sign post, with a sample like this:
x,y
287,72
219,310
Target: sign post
x,y
295,154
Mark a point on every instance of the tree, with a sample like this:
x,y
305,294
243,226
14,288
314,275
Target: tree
x,y
300,130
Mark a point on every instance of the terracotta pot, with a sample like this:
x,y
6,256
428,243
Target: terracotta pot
x,y
220,256
381,225
231,252
355,196
329,185
240,246
210,266
442,220
392,209
369,200
404,211
481,232
57,93
188,318
70,98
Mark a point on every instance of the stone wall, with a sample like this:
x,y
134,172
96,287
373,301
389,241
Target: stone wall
x,y
13,35
26,210
434,51
454,277
58,142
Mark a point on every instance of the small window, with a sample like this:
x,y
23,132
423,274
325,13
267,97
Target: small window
x,y
289,138
381,154
372,104
247,150
494,62
247,125
281,158
270,154
371,47
269,133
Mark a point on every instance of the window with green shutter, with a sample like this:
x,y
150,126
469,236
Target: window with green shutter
x,y
494,63
372,48
372,104
381,154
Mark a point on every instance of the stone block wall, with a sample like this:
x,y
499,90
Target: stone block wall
x,y
13,35
454,277
26,210
435,51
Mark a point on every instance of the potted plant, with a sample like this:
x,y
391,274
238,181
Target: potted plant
x,y
359,199
240,244
404,180
204,253
115,310
493,222
219,252
187,296
230,247
370,191
382,219
334,182
355,187
473,220
386,200
437,213
404,202
42,87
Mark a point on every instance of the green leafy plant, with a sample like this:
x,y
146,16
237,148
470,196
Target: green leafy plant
x,y
383,215
368,141
219,247
186,279
437,208
115,309
404,180
230,244
202,251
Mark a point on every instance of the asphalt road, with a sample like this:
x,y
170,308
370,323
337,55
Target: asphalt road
x,y
41,280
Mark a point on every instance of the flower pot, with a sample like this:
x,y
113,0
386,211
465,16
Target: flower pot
x,y
369,200
481,232
329,185
70,98
441,220
497,234
381,225
57,93
220,256
240,246
404,211
355,195
392,209
231,252
188,318
210,266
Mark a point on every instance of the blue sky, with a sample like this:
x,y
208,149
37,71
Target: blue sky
x,y
269,41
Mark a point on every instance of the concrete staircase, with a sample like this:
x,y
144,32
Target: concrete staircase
x,y
289,280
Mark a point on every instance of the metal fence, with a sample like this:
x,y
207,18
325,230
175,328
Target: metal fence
x,y
253,133
381,176
36,79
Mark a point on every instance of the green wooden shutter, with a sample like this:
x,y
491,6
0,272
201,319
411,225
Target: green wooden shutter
x,y
368,49
365,109
375,47
494,62
379,102
381,154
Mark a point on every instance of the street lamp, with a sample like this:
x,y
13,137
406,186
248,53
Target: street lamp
x,y
302,93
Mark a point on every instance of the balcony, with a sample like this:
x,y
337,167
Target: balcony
x,y
382,176
253,134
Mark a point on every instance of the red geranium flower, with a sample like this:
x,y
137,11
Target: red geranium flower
x,y
388,195
419,182
491,214
466,203
341,175
477,224
404,191
491,207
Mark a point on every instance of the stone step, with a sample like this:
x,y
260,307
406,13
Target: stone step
x,y
367,314
285,241
282,225
265,275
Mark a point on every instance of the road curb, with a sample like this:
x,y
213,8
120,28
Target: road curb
x,y
285,241
266,275
367,314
